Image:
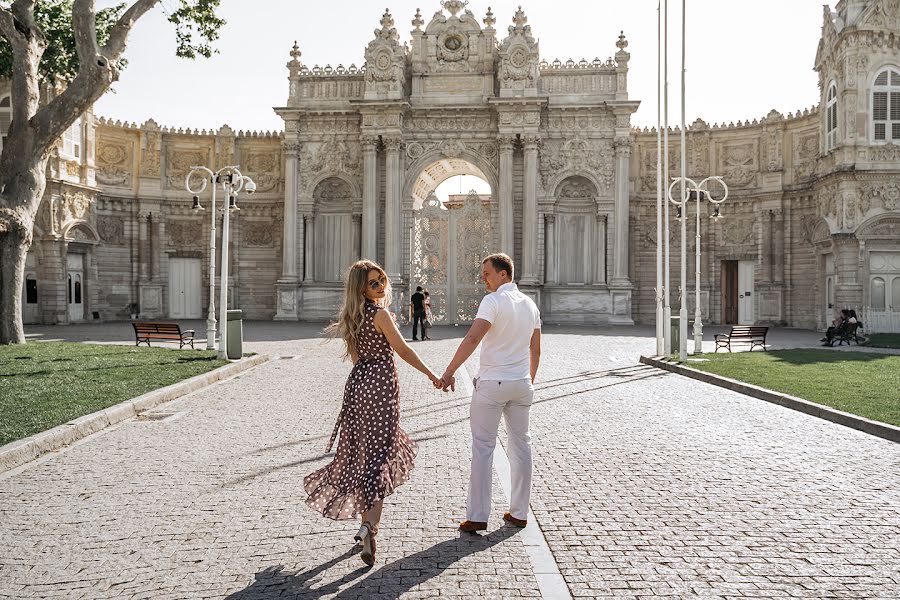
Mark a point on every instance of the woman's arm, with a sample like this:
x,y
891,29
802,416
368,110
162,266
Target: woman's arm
x,y
386,326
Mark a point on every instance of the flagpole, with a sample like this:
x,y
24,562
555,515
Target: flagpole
x,y
660,309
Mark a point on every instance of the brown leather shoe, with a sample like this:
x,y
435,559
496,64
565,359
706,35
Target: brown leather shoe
x,y
514,521
472,526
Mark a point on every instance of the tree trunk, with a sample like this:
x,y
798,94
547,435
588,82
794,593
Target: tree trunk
x,y
13,249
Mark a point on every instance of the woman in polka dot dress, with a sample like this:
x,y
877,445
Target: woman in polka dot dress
x,y
374,455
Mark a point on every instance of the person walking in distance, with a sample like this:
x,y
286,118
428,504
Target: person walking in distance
x,y
508,327
417,301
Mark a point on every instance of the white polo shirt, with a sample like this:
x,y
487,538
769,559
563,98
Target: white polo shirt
x,y
513,317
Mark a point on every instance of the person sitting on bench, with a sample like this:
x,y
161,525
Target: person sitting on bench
x,y
840,321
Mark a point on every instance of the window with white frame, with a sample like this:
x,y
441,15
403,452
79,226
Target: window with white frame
x,y
5,119
72,140
831,129
886,106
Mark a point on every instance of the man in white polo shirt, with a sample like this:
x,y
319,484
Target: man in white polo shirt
x,y
508,325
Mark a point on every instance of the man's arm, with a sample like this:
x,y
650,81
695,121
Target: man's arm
x,y
534,351
476,332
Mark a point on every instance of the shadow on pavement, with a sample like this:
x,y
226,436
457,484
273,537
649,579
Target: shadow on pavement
x,y
401,575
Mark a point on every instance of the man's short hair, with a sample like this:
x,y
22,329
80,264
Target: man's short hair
x,y
501,262
418,288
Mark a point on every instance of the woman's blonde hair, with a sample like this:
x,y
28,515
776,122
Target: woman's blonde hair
x,y
353,311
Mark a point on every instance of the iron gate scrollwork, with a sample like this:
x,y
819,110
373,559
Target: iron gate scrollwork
x,y
448,245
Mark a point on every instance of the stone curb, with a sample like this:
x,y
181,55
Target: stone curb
x,y
19,452
882,430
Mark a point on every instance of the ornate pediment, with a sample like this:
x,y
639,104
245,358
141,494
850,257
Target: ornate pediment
x,y
385,62
881,15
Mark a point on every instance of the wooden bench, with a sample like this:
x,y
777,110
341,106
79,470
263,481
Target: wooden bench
x,y
144,331
846,333
755,335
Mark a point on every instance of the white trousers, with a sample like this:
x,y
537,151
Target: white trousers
x,y
512,399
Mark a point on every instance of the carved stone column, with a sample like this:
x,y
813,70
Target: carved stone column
x,y
778,246
308,237
143,250
370,199
620,258
550,275
529,220
847,289
289,241
506,194
392,237
600,250
357,236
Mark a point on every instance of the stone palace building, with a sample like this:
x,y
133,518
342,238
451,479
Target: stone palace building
x,y
812,222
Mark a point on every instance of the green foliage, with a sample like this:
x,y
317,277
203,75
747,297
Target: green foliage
x,y
195,21
60,59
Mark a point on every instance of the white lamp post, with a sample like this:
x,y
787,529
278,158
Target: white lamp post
x,y
232,182
690,190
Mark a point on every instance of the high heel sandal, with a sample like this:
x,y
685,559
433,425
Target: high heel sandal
x,y
366,537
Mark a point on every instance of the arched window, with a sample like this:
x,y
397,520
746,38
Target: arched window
x,y
72,140
5,119
876,300
831,112
886,106
580,246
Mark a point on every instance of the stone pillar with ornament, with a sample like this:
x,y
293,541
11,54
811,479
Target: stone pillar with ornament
x,y
370,198
550,245
150,288
288,301
506,194
529,218
393,239
620,285
848,289
309,223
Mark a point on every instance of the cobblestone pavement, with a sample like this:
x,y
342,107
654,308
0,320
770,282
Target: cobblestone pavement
x,y
647,484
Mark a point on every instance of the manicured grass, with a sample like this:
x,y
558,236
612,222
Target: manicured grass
x,y
862,383
883,340
45,384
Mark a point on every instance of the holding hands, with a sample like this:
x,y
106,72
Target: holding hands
x,y
444,383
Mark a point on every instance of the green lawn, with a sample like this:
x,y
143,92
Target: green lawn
x,y
883,340
45,384
862,383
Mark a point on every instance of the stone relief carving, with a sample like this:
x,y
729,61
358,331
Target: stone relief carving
x,y
453,50
826,201
451,123
113,163
739,163
263,167
884,229
772,147
887,193
150,154
333,189
594,156
257,235
336,156
808,225
181,234
111,230
806,149
519,56
740,230
648,177
699,155
74,207
579,122
576,187
454,149
384,59
179,162
886,153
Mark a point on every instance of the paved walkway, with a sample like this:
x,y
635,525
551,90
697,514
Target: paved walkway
x,y
647,484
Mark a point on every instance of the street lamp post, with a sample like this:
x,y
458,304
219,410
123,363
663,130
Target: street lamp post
x,y
690,190
232,182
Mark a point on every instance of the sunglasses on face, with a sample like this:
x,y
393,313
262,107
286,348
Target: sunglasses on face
x,y
376,284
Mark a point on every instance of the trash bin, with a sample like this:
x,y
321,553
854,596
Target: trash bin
x,y
235,343
675,333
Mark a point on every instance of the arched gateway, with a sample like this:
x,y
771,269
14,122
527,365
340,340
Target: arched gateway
x,y
366,147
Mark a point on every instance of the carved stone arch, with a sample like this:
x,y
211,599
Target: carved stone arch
x,y
574,188
413,171
81,231
313,189
821,233
557,180
879,64
885,226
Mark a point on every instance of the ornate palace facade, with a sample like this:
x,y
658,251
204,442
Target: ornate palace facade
x,y
812,222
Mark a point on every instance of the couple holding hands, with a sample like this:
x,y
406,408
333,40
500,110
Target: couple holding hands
x,y
374,454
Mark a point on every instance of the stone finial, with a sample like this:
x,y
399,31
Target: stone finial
x,y
622,43
387,31
519,19
417,22
387,21
295,54
489,19
454,6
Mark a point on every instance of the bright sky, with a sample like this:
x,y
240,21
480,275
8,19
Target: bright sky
x,y
743,58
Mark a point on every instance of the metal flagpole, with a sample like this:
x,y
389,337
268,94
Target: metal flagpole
x,y
683,312
667,307
660,309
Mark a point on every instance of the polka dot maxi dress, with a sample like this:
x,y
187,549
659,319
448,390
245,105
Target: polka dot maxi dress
x,y
374,455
